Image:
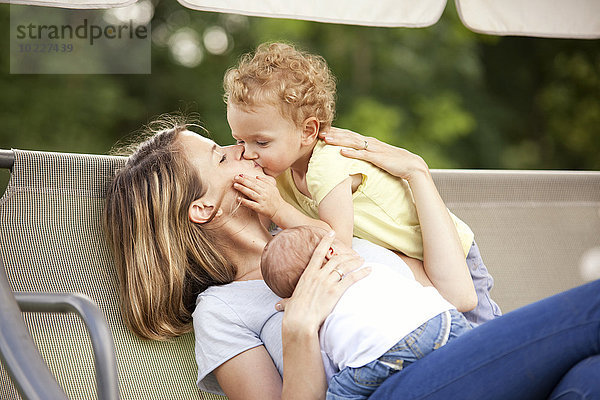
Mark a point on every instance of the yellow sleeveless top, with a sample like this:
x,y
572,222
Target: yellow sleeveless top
x,y
384,209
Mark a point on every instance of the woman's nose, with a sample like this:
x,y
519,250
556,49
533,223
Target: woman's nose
x,y
237,151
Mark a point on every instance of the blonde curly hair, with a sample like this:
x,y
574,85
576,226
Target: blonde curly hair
x,y
300,84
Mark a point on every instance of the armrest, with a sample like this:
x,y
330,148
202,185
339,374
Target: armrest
x,y
22,359
7,158
107,382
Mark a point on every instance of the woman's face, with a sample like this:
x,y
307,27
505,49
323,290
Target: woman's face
x,y
217,166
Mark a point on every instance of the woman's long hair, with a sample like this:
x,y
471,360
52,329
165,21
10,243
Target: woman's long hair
x,y
163,259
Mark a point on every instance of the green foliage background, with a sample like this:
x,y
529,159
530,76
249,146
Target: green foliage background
x,y
460,99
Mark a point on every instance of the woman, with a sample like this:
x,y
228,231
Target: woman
x,y
176,230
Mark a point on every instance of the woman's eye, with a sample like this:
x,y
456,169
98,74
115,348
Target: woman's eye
x,y
223,158
239,142
262,143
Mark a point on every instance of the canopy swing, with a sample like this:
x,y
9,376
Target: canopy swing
x,y
70,341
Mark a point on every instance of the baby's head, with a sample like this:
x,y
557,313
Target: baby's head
x,y
277,92
286,256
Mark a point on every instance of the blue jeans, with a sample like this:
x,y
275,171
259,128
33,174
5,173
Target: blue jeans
x,y
546,350
486,308
359,383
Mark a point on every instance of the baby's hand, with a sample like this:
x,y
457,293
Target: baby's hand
x,y
261,194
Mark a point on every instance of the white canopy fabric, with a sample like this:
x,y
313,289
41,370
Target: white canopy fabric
x,y
543,18
76,4
390,13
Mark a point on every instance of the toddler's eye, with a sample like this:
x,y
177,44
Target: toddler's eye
x,y
223,158
239,142
262,143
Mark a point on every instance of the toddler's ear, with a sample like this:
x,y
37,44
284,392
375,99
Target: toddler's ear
x,y
310,130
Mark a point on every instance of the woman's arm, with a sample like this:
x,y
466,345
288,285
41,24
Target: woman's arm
x,y
303,371
443,256
315,296
239,376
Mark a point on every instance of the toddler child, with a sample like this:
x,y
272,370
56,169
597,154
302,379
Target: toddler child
x,y
381,324
278,101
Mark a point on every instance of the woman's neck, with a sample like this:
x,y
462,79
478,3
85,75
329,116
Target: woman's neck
x,y
243,239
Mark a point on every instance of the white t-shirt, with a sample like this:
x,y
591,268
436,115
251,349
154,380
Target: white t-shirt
x,y
373,315
230,319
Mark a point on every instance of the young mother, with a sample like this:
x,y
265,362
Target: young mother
x,y
183,246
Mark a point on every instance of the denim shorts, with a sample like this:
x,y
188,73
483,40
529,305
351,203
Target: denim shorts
x,y
361,382
486,308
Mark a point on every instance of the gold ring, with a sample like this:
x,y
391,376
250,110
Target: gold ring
x,y
366,145
340,273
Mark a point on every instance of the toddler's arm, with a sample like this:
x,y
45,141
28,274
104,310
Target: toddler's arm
x,y
337,210
263,197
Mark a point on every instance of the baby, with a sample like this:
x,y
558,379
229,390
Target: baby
x,y
279,100
381,324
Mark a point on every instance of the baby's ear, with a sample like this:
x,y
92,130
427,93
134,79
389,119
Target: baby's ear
x,y
329,254
310,130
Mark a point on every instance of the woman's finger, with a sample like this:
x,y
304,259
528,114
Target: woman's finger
x,y
358,154
353,277
346,138
344,263
341,134
316,260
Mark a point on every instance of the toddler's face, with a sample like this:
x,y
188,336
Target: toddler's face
x,y
269,139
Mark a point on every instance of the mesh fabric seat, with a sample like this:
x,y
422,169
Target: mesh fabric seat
x,y
51,241
532,228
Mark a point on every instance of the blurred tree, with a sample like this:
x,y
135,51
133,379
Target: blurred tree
x,y
459,99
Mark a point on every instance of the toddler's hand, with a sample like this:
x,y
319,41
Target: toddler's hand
x,y
261,194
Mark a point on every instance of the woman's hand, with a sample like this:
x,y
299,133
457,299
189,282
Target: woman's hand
x,y
398,162
316,294
320,287
443,255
